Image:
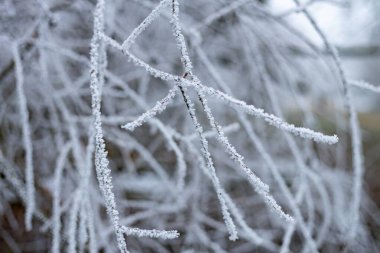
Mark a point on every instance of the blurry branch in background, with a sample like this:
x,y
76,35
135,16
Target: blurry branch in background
x,y
365,85
355,51
303,6
355,132
26,137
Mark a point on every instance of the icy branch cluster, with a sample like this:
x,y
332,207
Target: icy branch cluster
x,y
166,126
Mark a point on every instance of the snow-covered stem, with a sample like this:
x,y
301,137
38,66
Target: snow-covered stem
x,y
271,119
180,39
144,24
152,233
256,182
101,162
159,107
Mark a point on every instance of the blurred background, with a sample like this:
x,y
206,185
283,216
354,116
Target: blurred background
x,y
353,27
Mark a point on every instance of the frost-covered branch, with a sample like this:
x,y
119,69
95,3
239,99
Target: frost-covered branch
x,y
101,161
153,233
159,107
